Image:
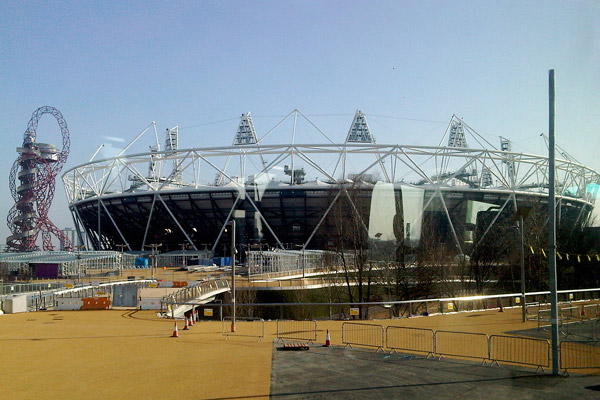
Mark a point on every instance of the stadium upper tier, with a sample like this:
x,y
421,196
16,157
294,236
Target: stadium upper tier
x,y
301,195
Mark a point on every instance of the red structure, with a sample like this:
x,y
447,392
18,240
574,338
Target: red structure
x,y
36,169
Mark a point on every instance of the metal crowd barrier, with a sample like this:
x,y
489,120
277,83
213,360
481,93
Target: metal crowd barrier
x,y
297,330
577,355
410,339
245,326
368,335
590,311
519,350
462,344
570,313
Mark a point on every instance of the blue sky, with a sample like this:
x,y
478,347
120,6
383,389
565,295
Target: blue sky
x,y
113,67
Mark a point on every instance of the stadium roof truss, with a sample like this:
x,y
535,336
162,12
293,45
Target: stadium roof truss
x,y
250,165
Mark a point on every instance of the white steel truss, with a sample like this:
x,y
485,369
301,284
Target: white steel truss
x,y
439,169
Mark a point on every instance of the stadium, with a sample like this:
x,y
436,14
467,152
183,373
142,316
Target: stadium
x,y
295,195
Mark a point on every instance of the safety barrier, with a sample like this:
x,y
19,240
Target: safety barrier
x,y
590,311
368,335
519,350
245,326
410,339
95,303
577,355
532,309
570,313
462,344
297,330
86,303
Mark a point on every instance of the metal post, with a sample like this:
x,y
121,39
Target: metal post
x,y
552,229
233,273
122,246
522,228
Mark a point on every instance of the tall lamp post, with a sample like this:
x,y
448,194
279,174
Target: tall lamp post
x,y
154,248
122,247
232,223
521,214
552,226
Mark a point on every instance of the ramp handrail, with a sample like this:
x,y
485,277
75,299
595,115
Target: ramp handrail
x,y
189,293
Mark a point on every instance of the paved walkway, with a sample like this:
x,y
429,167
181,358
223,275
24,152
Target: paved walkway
x,y
358,373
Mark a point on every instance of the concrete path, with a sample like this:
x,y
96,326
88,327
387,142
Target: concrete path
x,y
326,373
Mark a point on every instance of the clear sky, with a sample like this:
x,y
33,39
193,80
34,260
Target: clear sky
x,y
113,67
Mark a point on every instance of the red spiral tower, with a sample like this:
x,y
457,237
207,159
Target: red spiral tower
x,y
36,169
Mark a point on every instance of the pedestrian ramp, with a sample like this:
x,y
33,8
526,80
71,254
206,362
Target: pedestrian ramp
x,y
182,301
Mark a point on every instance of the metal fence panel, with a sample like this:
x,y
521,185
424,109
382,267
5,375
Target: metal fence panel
x,y
411,339
520,350
575,355
590,311
297,330
245,326
362,335
462,344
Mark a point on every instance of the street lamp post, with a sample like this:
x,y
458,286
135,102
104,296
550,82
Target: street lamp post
x,y
522,213
122,247
523,311
154,248
233,274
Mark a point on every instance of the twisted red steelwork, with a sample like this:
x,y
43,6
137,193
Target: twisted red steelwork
x,y
29,215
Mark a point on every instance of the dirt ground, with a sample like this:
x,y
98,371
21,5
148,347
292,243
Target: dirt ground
x,y
131,354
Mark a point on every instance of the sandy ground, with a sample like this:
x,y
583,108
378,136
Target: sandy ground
x,y
125,354
119,354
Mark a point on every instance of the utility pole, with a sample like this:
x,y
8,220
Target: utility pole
x,y
552,228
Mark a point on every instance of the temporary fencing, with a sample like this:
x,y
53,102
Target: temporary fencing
x,y
297,330
532,309
576,355
410,339
244,326
570,313
590,311
462,344
519,350
368,335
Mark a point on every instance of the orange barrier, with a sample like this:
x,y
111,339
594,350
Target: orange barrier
x,y
95,303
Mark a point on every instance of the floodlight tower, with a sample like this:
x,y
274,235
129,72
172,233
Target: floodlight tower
x,y
39,163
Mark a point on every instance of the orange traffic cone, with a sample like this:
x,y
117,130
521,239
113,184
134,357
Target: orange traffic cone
x,y
175,331
186,327
327,339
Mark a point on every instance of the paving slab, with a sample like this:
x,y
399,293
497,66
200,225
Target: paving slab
x,y
353,373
